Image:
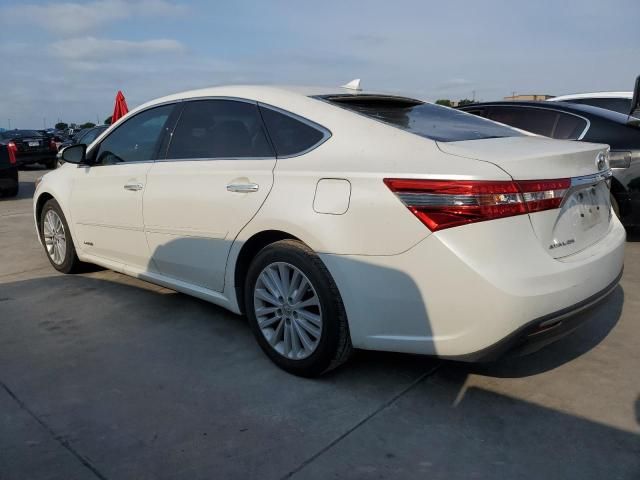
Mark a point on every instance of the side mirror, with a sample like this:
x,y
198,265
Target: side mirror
x,y
75,153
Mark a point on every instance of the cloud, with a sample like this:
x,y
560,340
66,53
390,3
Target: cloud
x,y
91,48
69,18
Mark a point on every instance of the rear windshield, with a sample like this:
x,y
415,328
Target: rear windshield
x,y
435,122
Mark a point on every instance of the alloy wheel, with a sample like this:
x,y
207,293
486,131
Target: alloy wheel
x,y
54,237
288,310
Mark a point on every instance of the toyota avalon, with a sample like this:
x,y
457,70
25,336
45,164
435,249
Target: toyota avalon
x,y
338,218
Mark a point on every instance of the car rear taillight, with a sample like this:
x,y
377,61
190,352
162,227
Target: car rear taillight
x,y
52,145
12,149
542,195
441,204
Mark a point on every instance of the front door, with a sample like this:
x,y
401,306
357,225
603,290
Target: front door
x,y
217,174
106,203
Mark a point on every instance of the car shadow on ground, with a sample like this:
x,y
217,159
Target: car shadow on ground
x,y
125,370
602,319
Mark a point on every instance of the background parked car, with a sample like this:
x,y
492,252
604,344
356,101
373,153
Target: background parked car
x,y
85,136
573,121
8,171
58,137
617,101
30,146
278,202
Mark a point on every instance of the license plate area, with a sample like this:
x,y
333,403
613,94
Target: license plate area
x,y
590,205
583,219
33,144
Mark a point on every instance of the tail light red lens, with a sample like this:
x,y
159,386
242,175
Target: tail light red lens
x,y
441,204
12,149
543,194
52,144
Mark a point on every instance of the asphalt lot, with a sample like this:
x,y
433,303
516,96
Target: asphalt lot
x,y
103,376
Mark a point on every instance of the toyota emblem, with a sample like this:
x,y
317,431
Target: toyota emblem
x,y
601,162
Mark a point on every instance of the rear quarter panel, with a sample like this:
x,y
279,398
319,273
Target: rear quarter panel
x,y
364,152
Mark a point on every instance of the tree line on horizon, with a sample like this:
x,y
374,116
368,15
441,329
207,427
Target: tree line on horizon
x,y
64,125
449,103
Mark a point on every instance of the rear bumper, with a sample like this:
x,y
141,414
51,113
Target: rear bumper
x,y
542,331
30,159
465,291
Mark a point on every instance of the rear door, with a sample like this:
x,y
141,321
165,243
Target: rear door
x,y
217,173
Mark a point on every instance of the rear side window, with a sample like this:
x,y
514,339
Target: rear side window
x,y
569,127
427,120
549,123
534,120
136,140
219,129
289,135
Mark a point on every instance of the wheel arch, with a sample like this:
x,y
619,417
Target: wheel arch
x,y
43,198
247,253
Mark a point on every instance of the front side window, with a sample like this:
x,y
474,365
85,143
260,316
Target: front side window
x,y
219,129
136,140
534,120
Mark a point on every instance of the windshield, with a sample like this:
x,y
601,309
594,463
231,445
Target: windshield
x,y
427,120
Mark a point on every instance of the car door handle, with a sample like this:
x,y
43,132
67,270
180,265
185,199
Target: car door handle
x,y
134,187
243,187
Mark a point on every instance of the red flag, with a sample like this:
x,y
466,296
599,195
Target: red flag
x,y
120,109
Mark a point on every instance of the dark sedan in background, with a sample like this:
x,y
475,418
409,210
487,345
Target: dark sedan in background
x,y
8,172
572,121
85,136
30,146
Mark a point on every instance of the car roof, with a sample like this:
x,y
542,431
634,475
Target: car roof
x,y
577,108
576,96
279,95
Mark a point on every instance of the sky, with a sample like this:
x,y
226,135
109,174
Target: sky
x,y
67,59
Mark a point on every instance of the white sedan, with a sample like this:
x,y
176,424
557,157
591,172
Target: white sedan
x,y
337,219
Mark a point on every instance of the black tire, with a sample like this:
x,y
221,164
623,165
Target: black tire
x,y
71,263
334,346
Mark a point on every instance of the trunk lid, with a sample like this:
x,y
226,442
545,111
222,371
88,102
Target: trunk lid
x,y
585,213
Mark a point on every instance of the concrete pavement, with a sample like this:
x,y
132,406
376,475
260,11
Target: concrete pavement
x,y
104,376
